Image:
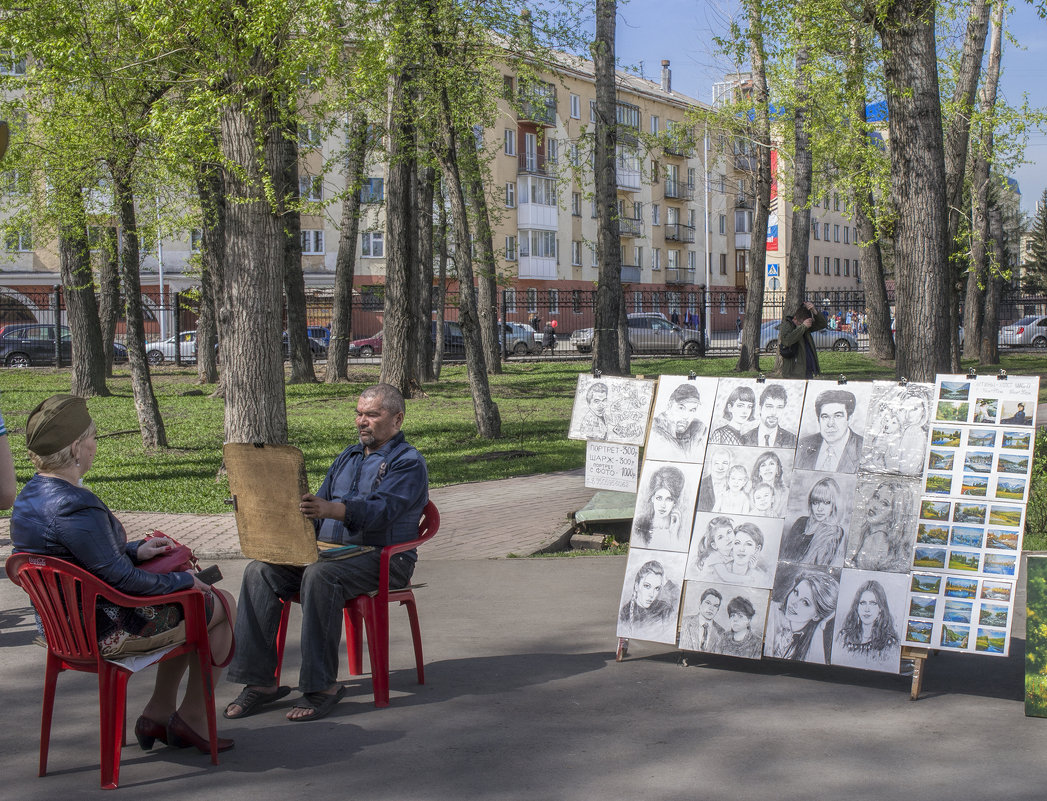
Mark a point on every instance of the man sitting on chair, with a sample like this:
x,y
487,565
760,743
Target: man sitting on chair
x,y
373,495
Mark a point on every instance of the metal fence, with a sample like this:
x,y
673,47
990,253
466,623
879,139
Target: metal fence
x,y
1023,318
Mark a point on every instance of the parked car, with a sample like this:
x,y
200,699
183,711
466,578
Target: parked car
x,y
164,350
826,339
317,348
366,347
650,332
320,333
29,344
518,339
1030,331
454,340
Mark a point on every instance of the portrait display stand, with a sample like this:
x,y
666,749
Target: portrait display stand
x,y
835,522
266,483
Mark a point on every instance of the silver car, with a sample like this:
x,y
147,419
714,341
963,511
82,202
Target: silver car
x,y
826,339
518,339
1030,331
649,332
158,352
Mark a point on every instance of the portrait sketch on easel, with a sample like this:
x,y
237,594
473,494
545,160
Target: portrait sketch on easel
x,y
734,549
870,620
895,438
757,414
723,619
665,506
816,518
611,408
830,428
882,531
680,427
800,616
650,601
740,480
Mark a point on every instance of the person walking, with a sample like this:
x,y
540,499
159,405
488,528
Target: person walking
x,y
549,337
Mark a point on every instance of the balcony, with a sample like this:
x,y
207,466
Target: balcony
x,y
744,162
630,226
679,276
537,268
743,241
540,108
678,190
537,215
630,273
629,178
535,164
678,232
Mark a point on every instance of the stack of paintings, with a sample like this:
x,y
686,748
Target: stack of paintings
x,y
972,514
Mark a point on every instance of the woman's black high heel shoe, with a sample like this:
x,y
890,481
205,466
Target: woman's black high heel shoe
x,y
148,731
179,735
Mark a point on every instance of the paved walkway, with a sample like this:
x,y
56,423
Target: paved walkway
x,y
481,520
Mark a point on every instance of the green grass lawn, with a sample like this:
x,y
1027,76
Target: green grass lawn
x,y
534,400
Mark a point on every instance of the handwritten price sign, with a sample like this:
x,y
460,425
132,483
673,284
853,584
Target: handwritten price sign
x,y
611,466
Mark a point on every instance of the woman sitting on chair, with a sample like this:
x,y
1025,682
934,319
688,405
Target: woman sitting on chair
x,y
56,516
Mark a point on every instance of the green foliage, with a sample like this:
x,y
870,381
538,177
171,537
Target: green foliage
x,y
1034,272
1036,511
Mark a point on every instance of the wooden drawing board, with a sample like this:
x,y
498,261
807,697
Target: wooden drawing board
x,y
266,483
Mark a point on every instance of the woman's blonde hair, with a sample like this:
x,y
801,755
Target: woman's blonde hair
x,y
59,460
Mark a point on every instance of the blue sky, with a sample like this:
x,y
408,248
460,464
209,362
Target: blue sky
x,y
683,30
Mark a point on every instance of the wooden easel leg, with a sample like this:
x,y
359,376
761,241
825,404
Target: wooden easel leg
x,y
918,657
623,649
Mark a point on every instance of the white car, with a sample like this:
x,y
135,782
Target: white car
x,y
161,351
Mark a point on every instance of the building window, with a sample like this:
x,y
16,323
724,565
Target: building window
x,y
510,194
656,217
576,204
807,267
373,244
18,241
654,124
836,201
846,235
836,233
196,238
692,260
723,264
592,253
538,244
510,142
576,253
576,301
656,259
637,256
723,303
814,229
312,242
532,300
836,263
575,160
723,223
656,301
576,107
10,64
672,261
743,221
825,231
510,301
847,267
311,187
372,190
552,147
592,111
554,301
817,265
309,136
594,208
510,248
637,302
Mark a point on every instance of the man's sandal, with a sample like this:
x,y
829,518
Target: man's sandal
x,y
320,704
251,701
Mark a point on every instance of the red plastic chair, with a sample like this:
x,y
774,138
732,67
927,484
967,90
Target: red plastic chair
x,y
372,610
53,586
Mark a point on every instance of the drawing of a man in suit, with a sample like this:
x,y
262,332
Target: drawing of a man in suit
x,y
836,447
769,434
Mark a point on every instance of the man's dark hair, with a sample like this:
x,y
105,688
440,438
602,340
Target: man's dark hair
x,y
802,314
774,392
835,396
684,392
713,592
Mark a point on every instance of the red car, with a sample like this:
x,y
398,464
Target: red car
x,y
366,348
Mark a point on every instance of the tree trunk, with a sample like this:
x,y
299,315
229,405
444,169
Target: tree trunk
x,y
401,277
109,293
920,233
441,284
486,272
345,261
749,358
488,419
973,306
990,348
610,346
211,197
149,420
250,314
957,138
286,187
803,163
82,309
425,186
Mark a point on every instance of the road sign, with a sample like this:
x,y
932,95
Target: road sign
x,y
772,270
